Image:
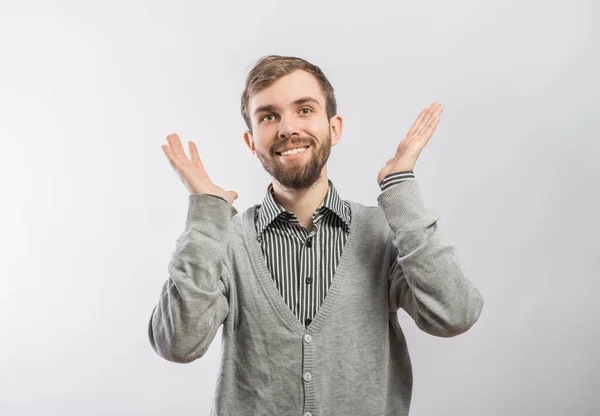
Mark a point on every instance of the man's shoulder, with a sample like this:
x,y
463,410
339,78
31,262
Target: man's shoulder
x,y
367,212
237,221
372,217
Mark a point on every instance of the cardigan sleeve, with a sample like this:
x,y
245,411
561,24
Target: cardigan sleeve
x,y
425,274
193,300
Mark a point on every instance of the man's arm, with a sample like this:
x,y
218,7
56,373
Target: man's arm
x,y
193,302
425,275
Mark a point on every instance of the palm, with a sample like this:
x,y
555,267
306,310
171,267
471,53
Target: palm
x,y
411,146
191,170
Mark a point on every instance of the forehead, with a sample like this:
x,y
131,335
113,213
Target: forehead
x,y
287,89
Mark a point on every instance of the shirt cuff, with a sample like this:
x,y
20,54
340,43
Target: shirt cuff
x,y
395,178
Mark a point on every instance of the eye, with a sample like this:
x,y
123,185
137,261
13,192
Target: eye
x,y
308,110
266,118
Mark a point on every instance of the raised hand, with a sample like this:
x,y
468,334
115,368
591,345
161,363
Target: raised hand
x,y
410,147
191,172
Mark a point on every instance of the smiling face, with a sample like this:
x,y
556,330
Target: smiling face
x,y
291,113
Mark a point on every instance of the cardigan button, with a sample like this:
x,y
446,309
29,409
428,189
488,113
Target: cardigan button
x,y
308,338
307,414
307,376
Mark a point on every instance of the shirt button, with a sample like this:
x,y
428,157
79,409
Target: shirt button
x,y
307,321
307,414
308,242
308,338
309,280
307,376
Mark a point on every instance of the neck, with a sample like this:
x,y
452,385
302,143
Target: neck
x,y
302,202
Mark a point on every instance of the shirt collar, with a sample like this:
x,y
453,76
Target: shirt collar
x,y
270,209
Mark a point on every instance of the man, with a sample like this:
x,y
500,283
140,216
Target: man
x,y
307,285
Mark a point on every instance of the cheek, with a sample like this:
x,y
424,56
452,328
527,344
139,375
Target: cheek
x,y
262,142
265,132
317,128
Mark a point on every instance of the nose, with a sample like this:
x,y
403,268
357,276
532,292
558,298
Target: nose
x,y
288,128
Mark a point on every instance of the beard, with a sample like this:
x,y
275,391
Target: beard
x,y
298,174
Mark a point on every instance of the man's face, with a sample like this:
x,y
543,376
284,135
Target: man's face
x,y
288,114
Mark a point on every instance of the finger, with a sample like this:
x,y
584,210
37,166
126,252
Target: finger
x,y
437,109
428,120
170,156
419,128
417,123
428,130
195,155
422,126
177,149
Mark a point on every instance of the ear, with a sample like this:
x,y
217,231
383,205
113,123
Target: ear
x,y
335,127
249,140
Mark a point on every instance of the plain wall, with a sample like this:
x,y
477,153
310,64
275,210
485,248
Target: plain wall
x,y
91,209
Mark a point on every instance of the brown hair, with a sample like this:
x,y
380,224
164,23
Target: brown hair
x,y
269,69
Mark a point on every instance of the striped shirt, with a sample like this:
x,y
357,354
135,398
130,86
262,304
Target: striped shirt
x,y
303,264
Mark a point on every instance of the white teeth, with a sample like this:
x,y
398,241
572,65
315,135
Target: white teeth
x,y
294,151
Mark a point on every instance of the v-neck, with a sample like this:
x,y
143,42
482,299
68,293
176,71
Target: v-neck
x,y
266,279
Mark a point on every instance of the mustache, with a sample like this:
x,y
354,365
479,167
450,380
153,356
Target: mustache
x,y
299,142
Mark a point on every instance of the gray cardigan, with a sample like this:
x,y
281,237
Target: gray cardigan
x,y
353,357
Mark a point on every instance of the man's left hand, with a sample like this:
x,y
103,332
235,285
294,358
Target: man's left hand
x,y
410,147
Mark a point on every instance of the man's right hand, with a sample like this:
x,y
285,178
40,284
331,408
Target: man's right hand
x,y
191,172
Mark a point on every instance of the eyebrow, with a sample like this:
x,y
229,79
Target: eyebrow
x,y
299,101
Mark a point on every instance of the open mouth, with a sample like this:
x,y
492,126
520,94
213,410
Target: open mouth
x,y
293,152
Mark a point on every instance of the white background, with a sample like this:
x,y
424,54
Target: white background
x,y
91,208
